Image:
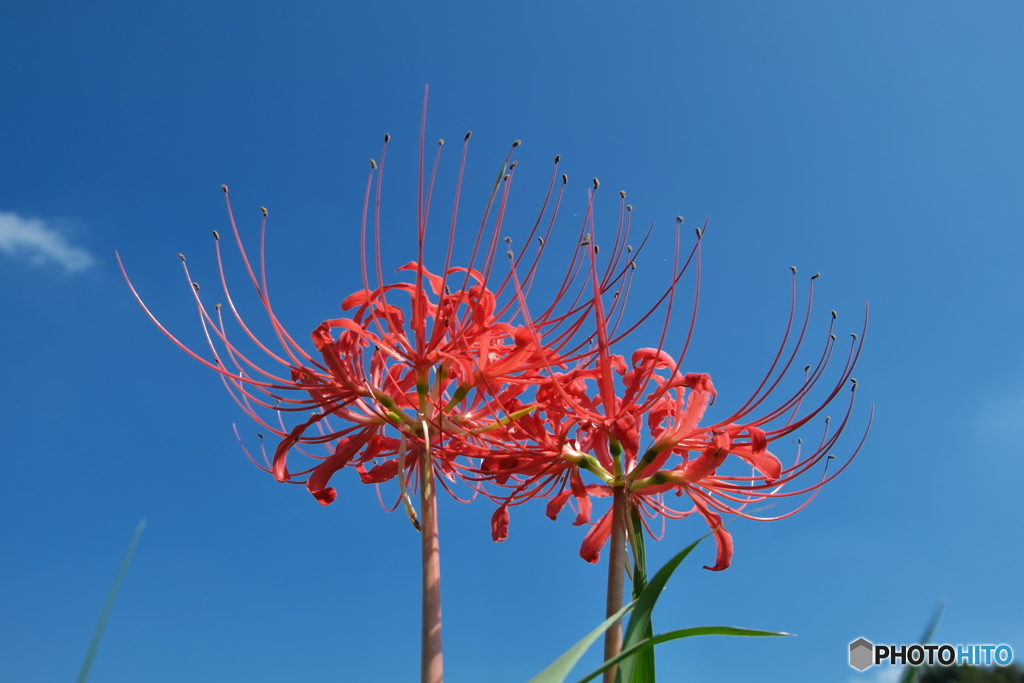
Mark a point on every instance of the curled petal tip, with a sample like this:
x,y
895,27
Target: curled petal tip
x,y
499,524
326,496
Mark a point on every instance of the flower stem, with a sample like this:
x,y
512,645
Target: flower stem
x,y
616,571
431,666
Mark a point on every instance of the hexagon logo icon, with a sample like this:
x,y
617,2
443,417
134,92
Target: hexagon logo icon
x,y
861,654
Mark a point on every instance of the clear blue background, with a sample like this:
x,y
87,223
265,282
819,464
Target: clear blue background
x,y
878,142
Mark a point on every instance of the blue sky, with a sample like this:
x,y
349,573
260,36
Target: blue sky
x,y
879,143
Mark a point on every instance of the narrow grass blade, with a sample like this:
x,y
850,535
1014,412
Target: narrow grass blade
x,y
559,670
910,673
91,652
649,643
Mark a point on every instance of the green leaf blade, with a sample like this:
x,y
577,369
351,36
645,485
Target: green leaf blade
x,y
649,643
641,617
559,670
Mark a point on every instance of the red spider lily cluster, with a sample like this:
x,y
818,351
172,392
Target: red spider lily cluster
x,y
452,371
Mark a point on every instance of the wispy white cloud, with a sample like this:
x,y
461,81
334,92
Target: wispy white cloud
x,y
33,239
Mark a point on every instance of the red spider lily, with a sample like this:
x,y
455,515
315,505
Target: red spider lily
x,y
422,364
448,372
590,417
427,375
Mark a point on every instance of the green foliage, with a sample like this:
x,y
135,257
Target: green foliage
x,y
640,620
558,670
675,635
970,674
636,641
644,671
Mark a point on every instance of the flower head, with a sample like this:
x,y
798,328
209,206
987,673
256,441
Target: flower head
x,y
641,426
457,369
427,362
